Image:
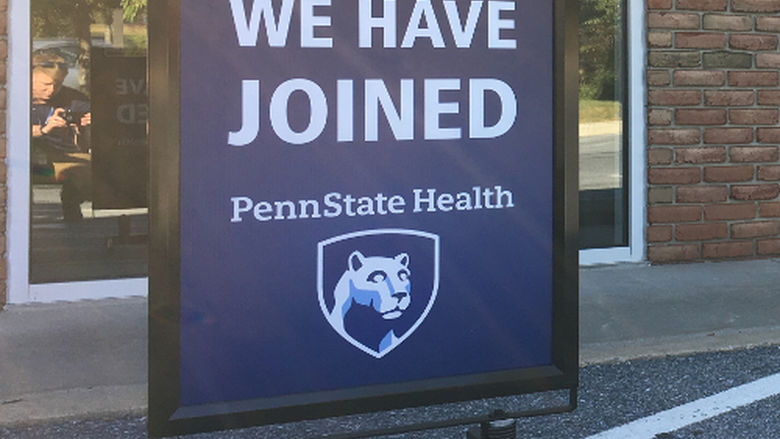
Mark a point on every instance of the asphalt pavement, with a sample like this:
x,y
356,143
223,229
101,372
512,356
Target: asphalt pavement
x,y
610,396
88,359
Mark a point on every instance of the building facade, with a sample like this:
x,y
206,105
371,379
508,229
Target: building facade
x,y
685,167
712,154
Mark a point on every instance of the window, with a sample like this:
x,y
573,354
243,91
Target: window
x,y
88,147
603,109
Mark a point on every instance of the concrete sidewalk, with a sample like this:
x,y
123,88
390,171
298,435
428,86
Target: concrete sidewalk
x,y
88,359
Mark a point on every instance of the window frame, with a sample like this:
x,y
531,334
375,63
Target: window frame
x,y
19,288
635,138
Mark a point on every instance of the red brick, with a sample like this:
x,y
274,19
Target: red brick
x,y
768,60
674,175
755,230
702,194
659,4
754,154
753,116
659,156
753,42
771,24
672,253
769,97
700,117
756,5
659,117
700,40
729,98
769,173
728,135
699,77
727,22
673,136
709,154
703,5
658,77
769,135
755,192
730,211
672,20
659,39
659,233
768,247
673,214
728,173
701,232
753,79
721,250
674,97
660,195
770,210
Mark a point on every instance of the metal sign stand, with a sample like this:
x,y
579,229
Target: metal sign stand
x,y
497,425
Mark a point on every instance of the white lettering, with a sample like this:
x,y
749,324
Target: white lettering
x,y
496,23
345,103
263,210
419,200
367,22
463,36
309,21
477,90
376,95
434,108
318,114
247,30
423,9
250,111
333,207
240,205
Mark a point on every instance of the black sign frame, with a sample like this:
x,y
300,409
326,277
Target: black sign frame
x,y
168,417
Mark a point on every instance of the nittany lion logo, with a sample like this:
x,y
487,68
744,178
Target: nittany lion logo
x,y
373,290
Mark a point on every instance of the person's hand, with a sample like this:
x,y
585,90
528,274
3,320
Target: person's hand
x,y
86,119
56,120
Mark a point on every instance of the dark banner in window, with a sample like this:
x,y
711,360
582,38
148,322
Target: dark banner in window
x,y
367,204
120,157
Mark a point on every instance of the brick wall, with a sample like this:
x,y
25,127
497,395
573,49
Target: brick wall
x,y
713,131
3,106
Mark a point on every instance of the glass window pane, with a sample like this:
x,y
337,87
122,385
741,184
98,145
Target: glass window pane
x,y
603,164
88,147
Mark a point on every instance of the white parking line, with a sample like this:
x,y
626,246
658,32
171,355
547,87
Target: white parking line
x,y
696,411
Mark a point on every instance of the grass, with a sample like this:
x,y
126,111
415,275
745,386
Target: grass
x,y
599,111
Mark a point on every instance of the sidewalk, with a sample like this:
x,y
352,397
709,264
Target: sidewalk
x,y
89,358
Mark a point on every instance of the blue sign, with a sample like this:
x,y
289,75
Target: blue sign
x,y
366,195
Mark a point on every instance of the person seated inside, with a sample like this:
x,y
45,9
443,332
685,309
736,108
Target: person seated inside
x,y
60,120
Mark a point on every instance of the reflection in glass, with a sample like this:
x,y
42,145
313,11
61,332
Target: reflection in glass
x,y
88,149
603,202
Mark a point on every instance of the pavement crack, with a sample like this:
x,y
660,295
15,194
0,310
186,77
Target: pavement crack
x,y
11,401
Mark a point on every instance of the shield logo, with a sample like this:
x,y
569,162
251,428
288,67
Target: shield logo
x,y
376,287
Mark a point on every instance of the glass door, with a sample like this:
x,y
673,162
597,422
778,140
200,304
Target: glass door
x,y
603,106
88,145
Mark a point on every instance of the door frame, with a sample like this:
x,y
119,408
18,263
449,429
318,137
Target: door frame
x,y
19,289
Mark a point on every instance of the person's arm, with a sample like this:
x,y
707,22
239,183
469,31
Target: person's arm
x,y
54,121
